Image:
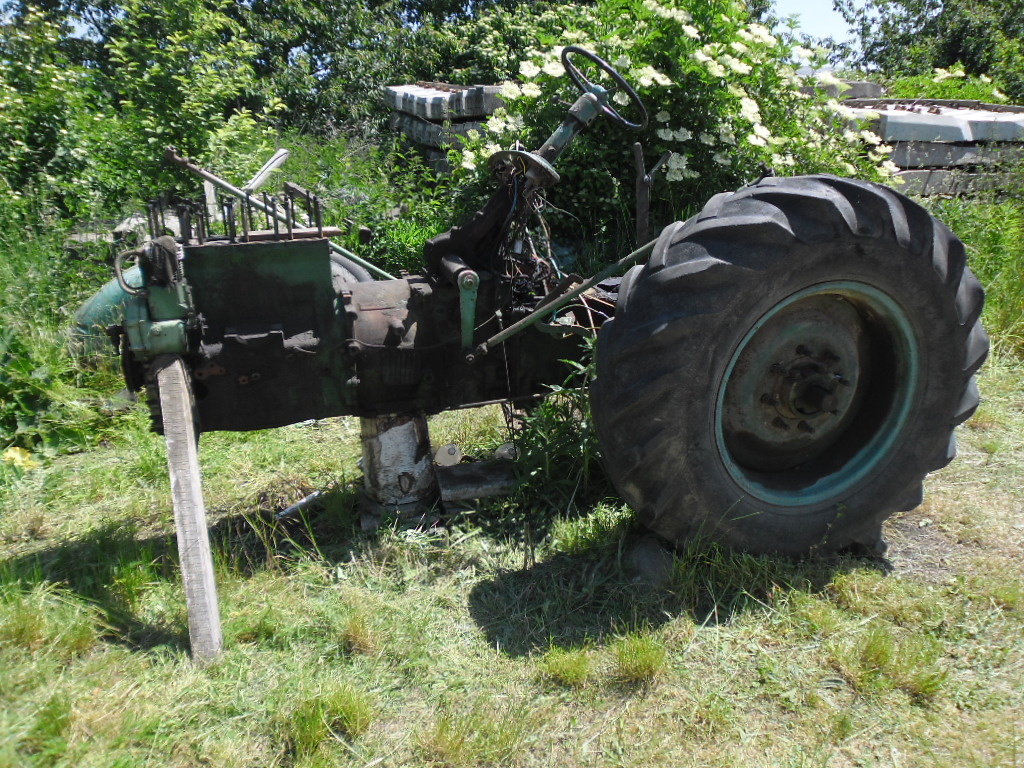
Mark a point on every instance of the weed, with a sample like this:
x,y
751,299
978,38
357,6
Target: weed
x,y
907,604
479,735
357,634
879,659
43,619
337,710
812,616
718,583
993,580
993,231
638,659
713,712
260,629
600,530
558,452
570,667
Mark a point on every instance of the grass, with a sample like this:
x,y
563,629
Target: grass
x,y
337,711
451,648
993,231
639,658
481,733
570,667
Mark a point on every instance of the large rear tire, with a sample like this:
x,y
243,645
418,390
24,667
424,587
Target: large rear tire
x,y
788,366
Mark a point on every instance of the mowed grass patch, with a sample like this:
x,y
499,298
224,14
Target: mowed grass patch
x,y
468,645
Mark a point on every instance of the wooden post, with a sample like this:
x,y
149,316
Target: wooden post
x,y
178,412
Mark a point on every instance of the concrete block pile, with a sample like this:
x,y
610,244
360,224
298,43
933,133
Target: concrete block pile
x,y
946,147
435,115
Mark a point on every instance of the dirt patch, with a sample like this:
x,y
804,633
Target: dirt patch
x,y
918,547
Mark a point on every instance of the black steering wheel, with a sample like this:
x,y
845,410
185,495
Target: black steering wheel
x,y
587,86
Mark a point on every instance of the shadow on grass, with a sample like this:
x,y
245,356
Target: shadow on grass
x,y
110,568
572,600
113,567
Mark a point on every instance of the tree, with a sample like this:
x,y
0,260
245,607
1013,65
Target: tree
x,y
911,37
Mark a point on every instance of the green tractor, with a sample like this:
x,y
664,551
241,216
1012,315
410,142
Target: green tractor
x,y
778,373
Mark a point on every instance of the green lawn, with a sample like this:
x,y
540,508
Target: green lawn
x,y
531,642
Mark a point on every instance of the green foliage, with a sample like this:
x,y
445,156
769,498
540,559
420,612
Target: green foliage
x,y
914,36
176,72
385,187
953,83
558,463
487,47
722,93
39,93
327,60
993,231
31,412
46,403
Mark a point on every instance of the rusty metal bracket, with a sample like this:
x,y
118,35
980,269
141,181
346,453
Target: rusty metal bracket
x,y
172,156
644,183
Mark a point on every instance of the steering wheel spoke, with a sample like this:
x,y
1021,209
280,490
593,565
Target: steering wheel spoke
x,y
588,86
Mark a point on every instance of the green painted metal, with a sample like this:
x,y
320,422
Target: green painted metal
x,y
247,283
164,337
893,331
104,308
149,338
170,303
581,114
469,284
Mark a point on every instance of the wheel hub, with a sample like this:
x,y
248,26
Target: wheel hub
x,y
814,393
794,387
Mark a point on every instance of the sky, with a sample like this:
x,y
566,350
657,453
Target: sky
x,y
816,17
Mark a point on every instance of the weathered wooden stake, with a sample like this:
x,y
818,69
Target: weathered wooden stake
x,y
177,410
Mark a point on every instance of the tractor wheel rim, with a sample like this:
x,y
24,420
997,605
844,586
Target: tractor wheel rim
x,y
816,394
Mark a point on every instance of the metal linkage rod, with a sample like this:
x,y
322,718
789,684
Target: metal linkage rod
x,y
553,306
171,155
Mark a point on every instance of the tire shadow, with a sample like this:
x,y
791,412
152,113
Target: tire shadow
x,y
573,600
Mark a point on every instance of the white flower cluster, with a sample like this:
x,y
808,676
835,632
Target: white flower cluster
x,y
737,66
501,122
749,110
667,134
757,33
676,168
528,69
648,76
944,74
677,14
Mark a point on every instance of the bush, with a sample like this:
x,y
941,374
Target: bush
x,y
723,95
